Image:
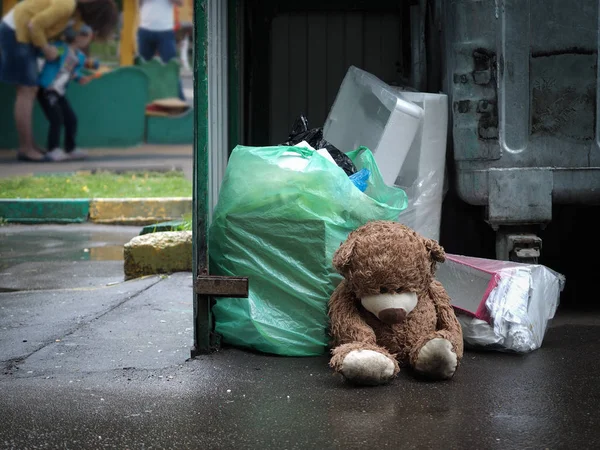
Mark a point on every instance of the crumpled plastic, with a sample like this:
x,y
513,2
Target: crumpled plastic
x,y
360,179
501,305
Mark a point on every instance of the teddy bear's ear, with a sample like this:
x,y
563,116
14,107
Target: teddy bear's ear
x,y
343,255
436,251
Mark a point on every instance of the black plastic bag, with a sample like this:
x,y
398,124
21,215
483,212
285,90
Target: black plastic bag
x,y
300,132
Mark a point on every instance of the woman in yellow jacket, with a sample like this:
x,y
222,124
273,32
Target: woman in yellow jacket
x,y
24,33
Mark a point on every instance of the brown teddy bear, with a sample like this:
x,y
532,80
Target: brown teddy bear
x,y
389,309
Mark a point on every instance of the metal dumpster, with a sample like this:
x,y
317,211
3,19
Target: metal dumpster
x,y
522,80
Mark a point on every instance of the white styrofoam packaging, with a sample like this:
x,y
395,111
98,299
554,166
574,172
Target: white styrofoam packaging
x,y
367,112
423,170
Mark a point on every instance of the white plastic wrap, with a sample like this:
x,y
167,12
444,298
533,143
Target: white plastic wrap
x,y
501,305
407,133
422,174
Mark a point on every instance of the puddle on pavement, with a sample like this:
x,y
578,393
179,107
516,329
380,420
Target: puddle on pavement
x,y
87,242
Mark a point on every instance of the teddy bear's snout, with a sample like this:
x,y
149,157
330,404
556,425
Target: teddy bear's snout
x,y
391,316
390,308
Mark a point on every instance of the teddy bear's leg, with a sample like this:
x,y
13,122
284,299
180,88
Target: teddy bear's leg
x,y
363,363
435,357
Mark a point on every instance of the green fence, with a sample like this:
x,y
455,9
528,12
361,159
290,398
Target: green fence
x,y
111,109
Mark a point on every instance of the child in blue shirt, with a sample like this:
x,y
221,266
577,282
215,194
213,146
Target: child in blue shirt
x,y
53,80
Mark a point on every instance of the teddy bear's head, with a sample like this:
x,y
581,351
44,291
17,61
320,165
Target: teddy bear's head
x,y
387,265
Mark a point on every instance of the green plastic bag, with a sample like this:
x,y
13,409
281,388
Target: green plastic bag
x,y
280,226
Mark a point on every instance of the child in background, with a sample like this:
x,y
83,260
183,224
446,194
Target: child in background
x,y
53,80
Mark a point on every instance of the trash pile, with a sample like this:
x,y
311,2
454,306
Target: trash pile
x,y
283,210
407,133
501,305
302,134
282,213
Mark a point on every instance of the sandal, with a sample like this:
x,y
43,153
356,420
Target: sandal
x,y
21,157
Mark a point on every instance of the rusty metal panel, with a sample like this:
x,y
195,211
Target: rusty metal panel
x,y
216,286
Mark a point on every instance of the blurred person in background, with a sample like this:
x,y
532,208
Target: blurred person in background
x,y
53,81
24,34
156,32
184,26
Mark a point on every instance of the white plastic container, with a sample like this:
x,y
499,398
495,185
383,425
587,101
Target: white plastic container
x,y
423,170
368,112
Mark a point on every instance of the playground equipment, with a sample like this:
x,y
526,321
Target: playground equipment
x,y
112,108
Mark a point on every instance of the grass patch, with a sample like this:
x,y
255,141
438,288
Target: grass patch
x,y
186,223
97,185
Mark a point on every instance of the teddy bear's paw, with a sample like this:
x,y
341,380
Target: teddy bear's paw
x,y
437,360
367,367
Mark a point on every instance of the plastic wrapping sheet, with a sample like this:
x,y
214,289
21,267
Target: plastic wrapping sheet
x,y
501,305
425,197
407,132
422,175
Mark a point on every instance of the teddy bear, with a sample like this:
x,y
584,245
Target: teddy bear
x,y
389,311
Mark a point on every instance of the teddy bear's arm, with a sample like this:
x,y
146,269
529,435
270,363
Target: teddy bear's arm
x,y
346,324
447,323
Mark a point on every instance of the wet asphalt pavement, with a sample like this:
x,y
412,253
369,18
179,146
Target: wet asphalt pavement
x,y
92,362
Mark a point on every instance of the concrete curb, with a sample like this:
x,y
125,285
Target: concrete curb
x,y
139,211
117,211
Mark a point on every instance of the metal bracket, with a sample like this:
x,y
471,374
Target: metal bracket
x,y
527,253
526,245
208,287
214,286
523,247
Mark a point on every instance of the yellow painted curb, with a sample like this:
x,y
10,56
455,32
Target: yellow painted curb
x,y
139,211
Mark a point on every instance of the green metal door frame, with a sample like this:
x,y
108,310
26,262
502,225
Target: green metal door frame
x,y
202,314
217,128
